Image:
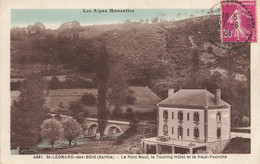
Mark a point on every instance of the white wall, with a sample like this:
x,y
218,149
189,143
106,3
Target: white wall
x,y
185,124
212,124
224,124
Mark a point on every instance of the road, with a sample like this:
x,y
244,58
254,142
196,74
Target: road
x,y
244,135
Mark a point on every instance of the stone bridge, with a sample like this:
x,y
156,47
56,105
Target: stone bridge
x,y
113,127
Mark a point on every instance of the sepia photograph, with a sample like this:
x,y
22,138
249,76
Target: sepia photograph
x,y
129,81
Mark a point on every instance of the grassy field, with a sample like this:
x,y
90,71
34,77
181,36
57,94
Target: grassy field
x,y
146,100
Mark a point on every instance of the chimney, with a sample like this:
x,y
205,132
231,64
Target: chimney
x,y
217,96
170,92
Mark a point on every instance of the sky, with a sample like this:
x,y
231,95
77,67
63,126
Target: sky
x,y
53,18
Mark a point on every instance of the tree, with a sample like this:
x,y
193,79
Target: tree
x,y
130,98
141,21
155,20
77,111
194,69
130,114
51,130
72,130
179,15
117,112
88,99
127,22
54,83
102,74
210,50
28,113
118,86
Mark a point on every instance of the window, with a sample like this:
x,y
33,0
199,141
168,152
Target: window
x,y
218,132
172,115
165,129
165,114
172,130
180,116
196,117
188,116
188,132
180,132
218,117
196,133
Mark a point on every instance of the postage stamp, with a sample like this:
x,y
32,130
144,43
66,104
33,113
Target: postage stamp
x,y
238,21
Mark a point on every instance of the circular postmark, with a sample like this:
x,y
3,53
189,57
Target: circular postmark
x,y
236,24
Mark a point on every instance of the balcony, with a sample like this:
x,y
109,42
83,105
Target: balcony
x,y
196,122
163,138
180,121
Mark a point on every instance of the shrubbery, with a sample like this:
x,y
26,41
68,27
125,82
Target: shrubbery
x,y
77,111
130,97
78,82
88,99
117,113
128,133
15,85
238,145
129,114
54,83
71,83
152,115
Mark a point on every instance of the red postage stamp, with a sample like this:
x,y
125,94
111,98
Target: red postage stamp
x,y
238,21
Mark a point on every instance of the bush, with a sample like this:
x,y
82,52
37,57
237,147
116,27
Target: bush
x,y
129,114
78,82
15,85
238,145
210,50
117,112
130,98
77,111
88,99
54,83
128,133
151,115
75,107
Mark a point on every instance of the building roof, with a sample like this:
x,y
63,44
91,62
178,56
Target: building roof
x,y
193,99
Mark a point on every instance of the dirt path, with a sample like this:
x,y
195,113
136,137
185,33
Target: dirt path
x,y
192,42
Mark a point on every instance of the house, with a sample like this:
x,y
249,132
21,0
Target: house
x,y
190,120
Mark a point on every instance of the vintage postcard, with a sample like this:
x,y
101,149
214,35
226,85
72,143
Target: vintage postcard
x,y
97,81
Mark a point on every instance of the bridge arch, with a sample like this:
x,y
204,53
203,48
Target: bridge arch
x,y
112,129
91,129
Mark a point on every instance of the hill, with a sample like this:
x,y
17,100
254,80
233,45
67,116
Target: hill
x,y
166,45
162,55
